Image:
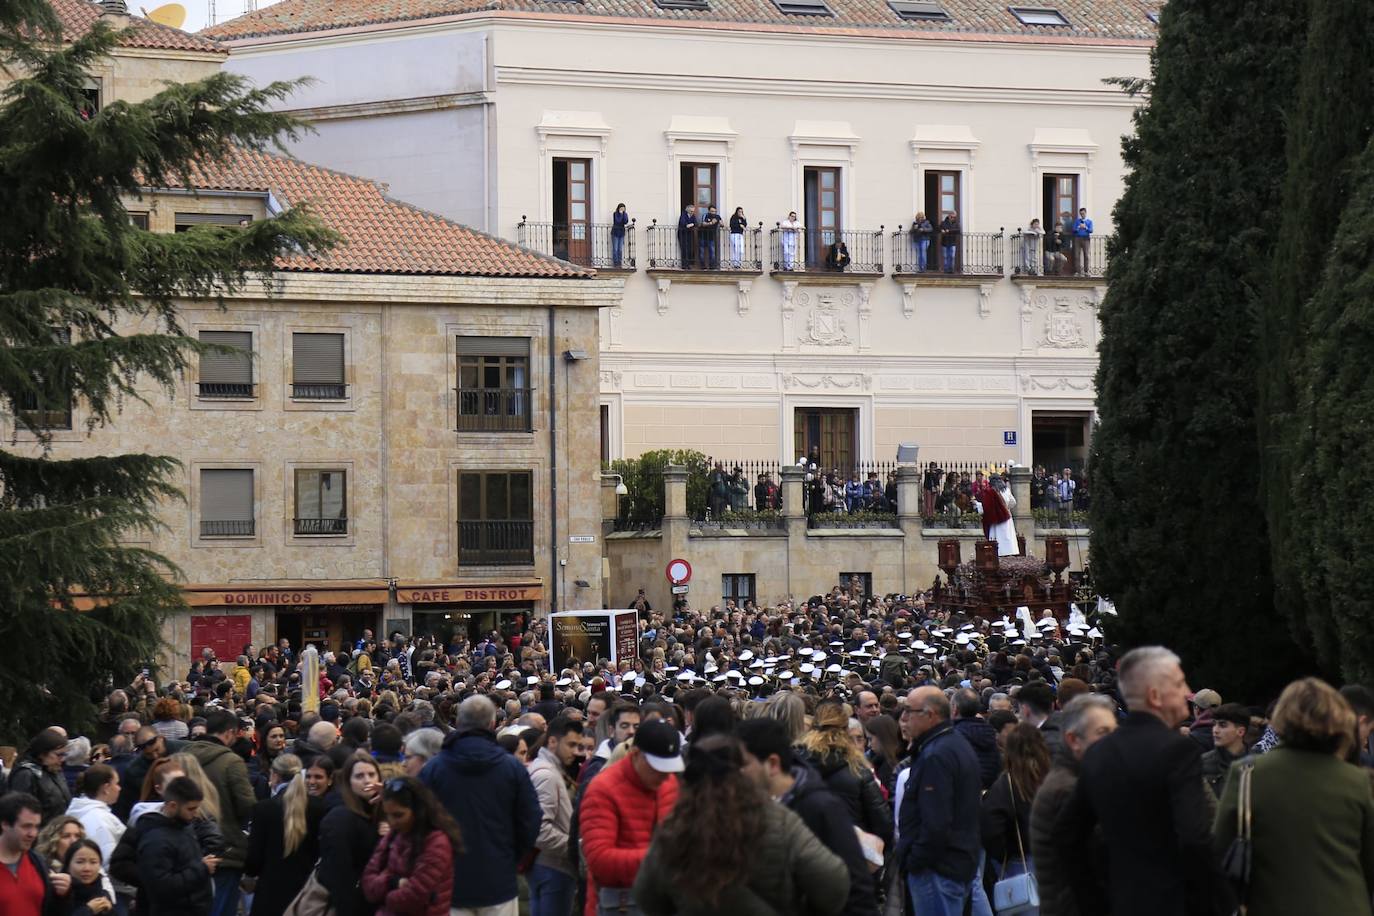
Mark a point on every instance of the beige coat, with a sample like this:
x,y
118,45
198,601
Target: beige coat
x,y
555,801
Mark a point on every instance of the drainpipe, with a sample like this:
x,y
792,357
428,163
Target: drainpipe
x,y
553,468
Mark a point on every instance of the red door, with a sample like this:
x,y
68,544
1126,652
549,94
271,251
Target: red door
x,y
225,634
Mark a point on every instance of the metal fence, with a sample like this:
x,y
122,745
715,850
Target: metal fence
x,y
705,248
492,543
976,254
803,250
584,244
321,526
1032,256
494,409
230,528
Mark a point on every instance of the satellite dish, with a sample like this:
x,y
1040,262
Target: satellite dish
x,y
169,14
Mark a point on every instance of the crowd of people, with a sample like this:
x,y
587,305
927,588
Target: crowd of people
x,y
848,754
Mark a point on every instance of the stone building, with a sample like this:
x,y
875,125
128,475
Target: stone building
x,y
534,119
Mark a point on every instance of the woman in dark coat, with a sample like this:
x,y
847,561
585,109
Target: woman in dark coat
x,y
833,752
285,839
39,773
348,835
1004,821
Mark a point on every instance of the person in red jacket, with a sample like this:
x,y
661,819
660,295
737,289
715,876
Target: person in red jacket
x,y
620,810
411,871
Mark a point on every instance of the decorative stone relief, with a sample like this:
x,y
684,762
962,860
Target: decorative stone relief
x,y
825,324
1031,383
789,307
742,303
611,378
1062,329
687,380
759,382
613,323
663,287
865,314
984,300
857,381
908,300
649,379
722,381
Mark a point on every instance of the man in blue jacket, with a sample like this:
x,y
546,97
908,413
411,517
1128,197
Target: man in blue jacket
x,y
938,845
490,795
1082,235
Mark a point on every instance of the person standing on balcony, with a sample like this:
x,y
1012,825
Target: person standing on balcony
x,y
1082,238
709,229
1030,243
921,234
686,236
930,489
620,221
791,230
949,240
766,494
737,226
717,490
1066,486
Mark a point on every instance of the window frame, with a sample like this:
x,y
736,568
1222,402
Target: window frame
x,y
865,577
62,337
505,365
254,532
919,11
519,555
1046,13
736,578
343,530
252,388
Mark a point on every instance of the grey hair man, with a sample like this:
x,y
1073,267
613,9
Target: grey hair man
x,y
1143,785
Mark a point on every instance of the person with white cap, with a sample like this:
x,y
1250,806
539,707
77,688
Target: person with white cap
x,y
620,810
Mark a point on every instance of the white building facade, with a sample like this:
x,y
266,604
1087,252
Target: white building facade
x,y
535,119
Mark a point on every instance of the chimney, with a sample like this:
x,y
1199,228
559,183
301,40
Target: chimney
x,y
114,7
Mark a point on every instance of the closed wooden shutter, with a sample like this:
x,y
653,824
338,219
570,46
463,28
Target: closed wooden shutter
x,y
212,219
227,368
493,346
226,494
317,359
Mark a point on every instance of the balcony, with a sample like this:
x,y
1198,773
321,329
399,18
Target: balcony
x,y
706,250
224,391
226,528
809,251
495,543
586,245
334,526
317,391
494,410
976,254
1030,260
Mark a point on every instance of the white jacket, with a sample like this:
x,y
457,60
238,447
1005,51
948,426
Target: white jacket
x,y
99,823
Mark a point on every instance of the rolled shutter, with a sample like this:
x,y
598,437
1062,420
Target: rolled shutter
x,y
226,494
212,219
227,368
317,359
493,346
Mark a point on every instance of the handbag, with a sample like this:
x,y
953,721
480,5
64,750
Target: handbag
x,y
313,900
1236,863
1018,893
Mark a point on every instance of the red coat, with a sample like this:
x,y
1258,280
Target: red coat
x,y
618,817
428,890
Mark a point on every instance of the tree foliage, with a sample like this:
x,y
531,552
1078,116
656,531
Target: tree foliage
x,y
88,314
643,477
1179,538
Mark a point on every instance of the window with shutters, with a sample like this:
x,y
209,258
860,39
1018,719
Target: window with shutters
x,y
49,404
494,392
317,367
226,374
321,502
226,503
737,587
495,518
184,221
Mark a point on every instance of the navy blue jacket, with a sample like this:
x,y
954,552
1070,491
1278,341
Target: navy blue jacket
x,y
618,223
490,795
940,808
982,737
825,813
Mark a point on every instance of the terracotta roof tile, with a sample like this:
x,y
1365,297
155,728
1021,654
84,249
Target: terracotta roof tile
x,y
379,234
1116,20
77,17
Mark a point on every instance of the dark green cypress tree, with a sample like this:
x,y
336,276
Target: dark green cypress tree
x,y
88,313
1178,536
1331,118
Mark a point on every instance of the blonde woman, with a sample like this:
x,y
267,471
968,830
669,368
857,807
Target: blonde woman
x,y
830,749
206,825
789,709
285,838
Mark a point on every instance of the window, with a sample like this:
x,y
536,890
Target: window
x,y
186,221
226,375
321,502
804,7
226,502
737,587
682,4
864,580
698,185
317,367
1153,16
572,210
1038,15
90,102
495,518
140,220
494,384
50,405
919,9
605,435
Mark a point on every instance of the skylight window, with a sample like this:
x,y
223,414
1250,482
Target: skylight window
x,y
1153,16
682,4
924,10
804,7
1038,15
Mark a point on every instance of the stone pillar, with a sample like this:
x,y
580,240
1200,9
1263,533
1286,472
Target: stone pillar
x,y
794,514
793,481
1020,489
675,529
909,492
675,491
610,508
909,479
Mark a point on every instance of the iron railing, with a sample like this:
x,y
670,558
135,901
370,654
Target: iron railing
x,y
805,250
705,249
322,526
1031,259
586,245
224,528
495,543
976,254
319,391
216,390
494,410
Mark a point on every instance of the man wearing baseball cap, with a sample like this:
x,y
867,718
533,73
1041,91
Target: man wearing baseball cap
x,y
620,810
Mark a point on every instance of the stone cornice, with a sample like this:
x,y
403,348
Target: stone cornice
x,y
395,289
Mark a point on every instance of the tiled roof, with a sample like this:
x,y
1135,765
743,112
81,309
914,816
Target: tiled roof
x,y
378,234
77,17
1114,20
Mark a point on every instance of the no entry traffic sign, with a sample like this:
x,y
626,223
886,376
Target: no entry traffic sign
x,y
679,572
